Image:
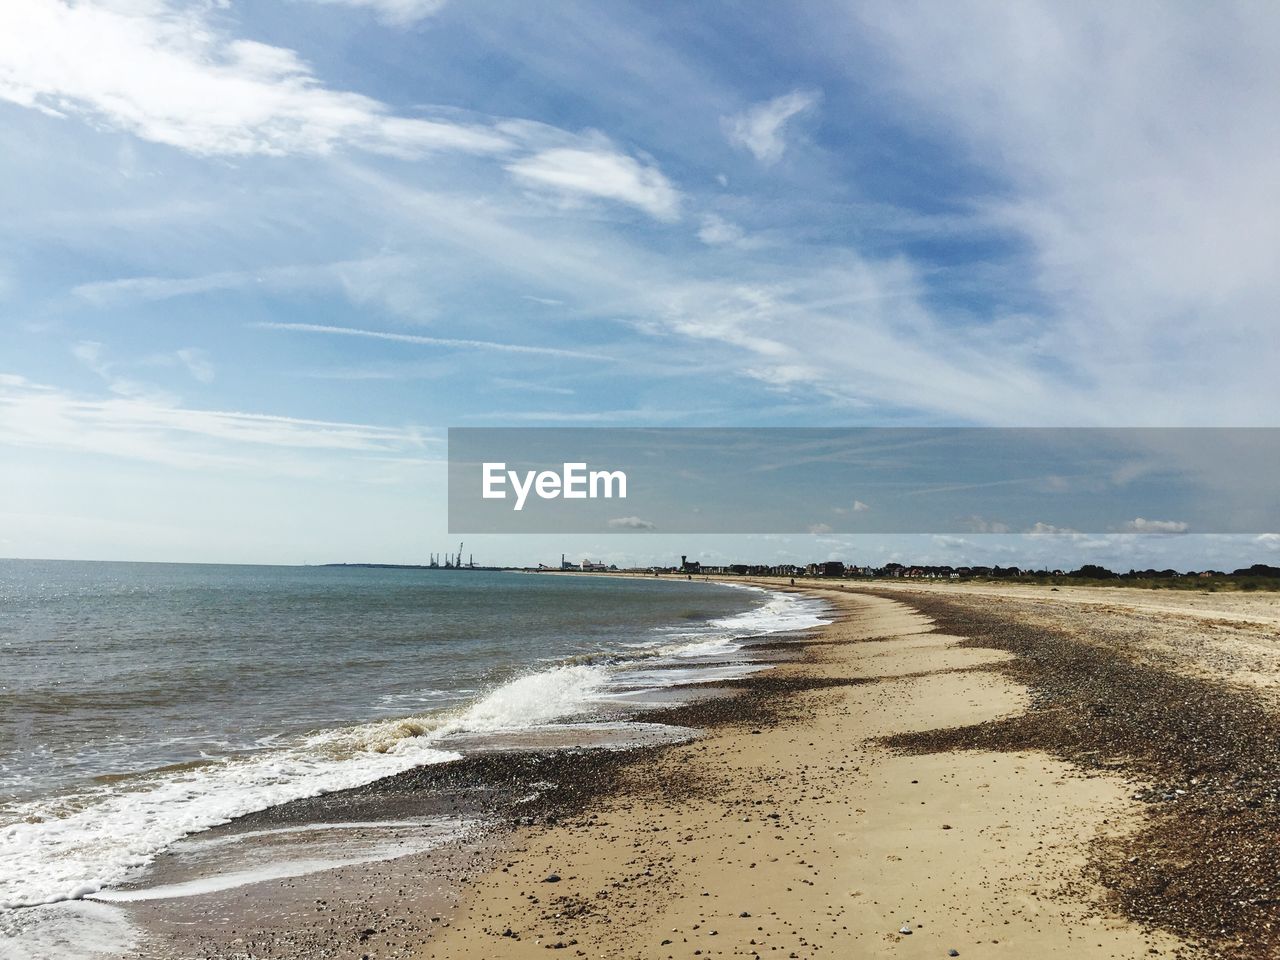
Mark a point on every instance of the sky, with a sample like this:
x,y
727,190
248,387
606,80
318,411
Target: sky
x,y
257,257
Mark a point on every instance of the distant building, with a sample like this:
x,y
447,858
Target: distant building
x,y
689,566
590,565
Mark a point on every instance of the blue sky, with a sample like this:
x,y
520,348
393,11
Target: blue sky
x,y
255,258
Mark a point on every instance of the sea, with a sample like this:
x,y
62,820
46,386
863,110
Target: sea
x,y
141,704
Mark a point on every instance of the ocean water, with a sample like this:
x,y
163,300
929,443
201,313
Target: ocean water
x,y
143,703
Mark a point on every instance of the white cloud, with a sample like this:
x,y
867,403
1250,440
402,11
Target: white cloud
x,y
1140,525
396,12
878,339
530,386
856,507
1041,529
644,415
1269,540
432,341
159,430
106,292
630,523
197,363
819,528
598,171
832,327
1133,146
389,281
854,329
168,74
979,524
716,231
760,127
91,354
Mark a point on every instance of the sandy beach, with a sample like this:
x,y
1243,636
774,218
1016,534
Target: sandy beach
x,y
811,836
944,770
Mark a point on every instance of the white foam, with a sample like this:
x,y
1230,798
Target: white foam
x,y
281,869
68,848
782,612
67,931
535,699
75,846
722,637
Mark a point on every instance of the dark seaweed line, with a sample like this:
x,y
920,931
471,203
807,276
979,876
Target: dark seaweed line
x,y
1206,864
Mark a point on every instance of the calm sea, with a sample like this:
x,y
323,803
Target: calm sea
x,y
140,703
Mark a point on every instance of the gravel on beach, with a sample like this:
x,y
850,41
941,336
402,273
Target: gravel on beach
x,y
1206,863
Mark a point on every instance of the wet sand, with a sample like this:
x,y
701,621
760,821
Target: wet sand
x,y
941,770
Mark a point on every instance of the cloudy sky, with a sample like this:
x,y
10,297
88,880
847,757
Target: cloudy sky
x,y
255,258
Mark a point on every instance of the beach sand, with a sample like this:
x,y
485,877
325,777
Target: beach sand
x,y
808,837
996,771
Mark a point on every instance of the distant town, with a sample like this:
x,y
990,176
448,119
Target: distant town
x,y
838,569
1258,576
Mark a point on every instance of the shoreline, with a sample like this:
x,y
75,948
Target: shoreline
x,y
353,833
926,773
1096,874
808,837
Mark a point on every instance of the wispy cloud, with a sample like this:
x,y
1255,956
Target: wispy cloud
x,y
433,341
197,363
1141,525
1141,235
91,354
125,289
877,334
169,74
395,12
172,74
980,524
638,415
760,128
601,172
530,386
161,431
716,231
1042,529
390,281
